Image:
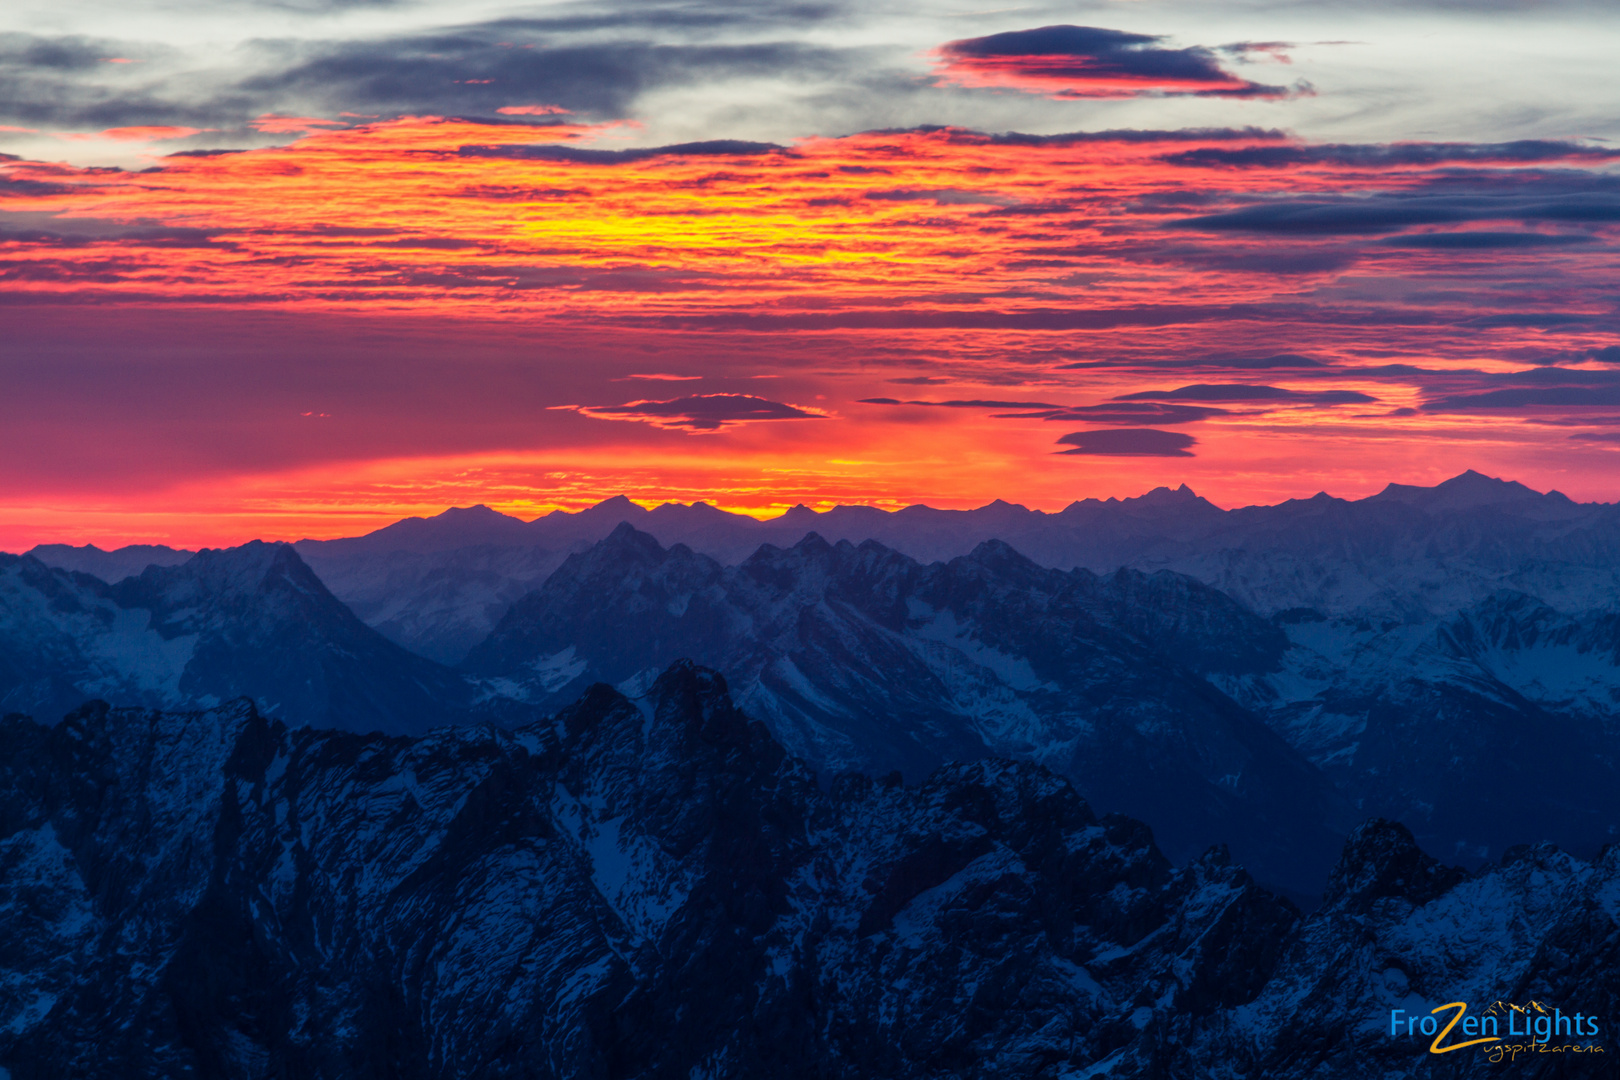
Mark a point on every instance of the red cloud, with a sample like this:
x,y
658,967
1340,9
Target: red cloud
x,y
1092,62
532,110
150,133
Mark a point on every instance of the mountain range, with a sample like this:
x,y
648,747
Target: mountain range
x,y
1141,788
653,887
1317,676
439,585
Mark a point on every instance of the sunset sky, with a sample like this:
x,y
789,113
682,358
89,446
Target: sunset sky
x,y
300,268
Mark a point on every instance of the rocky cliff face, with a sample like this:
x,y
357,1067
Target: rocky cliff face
x,y
653,887
862,658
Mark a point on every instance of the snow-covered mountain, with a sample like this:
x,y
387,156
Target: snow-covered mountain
x,y
862,658
251,621
651,887
1159,696
437,604
1499,725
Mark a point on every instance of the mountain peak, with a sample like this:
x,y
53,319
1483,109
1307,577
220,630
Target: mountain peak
x,y
476,512
1470,490
1181,498
1382,859
619,504
455,527
627,537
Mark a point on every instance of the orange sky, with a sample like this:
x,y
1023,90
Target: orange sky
x,y
388,319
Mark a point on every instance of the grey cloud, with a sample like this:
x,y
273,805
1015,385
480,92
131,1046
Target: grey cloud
x,y
1545,387
1392,213
1259,363
939,196
1129,442
1242,392
58,54
968,403
579,155
701,412
1482,240
1542,320
471,72
1125,412
1111,413
1385,155
1265,362
1111,135
1271,259
64,82
1522,398
1125,61
632,279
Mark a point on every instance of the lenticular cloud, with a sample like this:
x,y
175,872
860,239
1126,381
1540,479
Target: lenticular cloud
x,y
1093,62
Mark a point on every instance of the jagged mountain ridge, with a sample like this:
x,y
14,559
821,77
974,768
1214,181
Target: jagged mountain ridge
x,y
650,887
250,621
1493,729
861,658
438,585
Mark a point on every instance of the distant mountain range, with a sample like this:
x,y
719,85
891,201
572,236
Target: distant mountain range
x,y
439,585
652,887
1448,657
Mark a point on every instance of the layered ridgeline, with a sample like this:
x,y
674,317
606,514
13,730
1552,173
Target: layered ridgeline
x,y
1406,555
862,658
251,621
653,888
859,657
1160,696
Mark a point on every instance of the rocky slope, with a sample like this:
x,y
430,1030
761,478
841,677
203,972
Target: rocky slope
x,y
250,621
651,887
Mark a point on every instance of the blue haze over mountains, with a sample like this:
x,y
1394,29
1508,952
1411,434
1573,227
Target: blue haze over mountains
x,y
1317,692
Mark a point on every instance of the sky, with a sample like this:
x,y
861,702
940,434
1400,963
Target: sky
x,y
301,268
